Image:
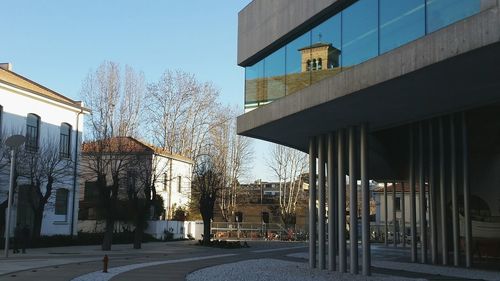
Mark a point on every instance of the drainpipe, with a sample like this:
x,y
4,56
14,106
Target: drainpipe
x,y
75,167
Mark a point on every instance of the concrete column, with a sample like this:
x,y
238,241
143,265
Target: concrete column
x,y
394,220
454,195
432,196
332,203
442,195
342,198
422,195
312,202
402,228
465,172
386,216
353,202
322,203
413,212
365,194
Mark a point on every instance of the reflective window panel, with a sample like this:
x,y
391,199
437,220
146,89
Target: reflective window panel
x,y
298,64
359,32
255,88
326,49
441,13
274,72
400,22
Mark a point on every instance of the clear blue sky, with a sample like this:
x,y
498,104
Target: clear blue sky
x,y
56,43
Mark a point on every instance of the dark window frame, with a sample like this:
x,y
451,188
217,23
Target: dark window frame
x,y
65,140
62,200
32,132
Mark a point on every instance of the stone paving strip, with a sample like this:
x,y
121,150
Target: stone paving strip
x,y
112,272
441,270
277,249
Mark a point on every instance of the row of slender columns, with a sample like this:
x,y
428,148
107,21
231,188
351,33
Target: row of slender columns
x,y
386,216
332,201
312,202
394,222
324,149
455,142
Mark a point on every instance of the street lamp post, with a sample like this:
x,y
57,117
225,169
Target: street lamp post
x,y
13,142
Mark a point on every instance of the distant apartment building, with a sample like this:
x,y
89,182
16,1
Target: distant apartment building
x,y
48,120
142,164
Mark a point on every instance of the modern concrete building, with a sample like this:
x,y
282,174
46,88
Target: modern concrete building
x,y
414,97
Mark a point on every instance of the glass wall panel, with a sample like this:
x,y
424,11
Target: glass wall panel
x,y
441,13
359,32
254,84
326,49
400,22
274,72
298,64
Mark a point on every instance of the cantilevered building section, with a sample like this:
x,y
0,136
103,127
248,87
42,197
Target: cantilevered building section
x,y
390,91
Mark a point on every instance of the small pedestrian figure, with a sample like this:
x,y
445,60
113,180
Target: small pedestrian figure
x,y
17,238
25,238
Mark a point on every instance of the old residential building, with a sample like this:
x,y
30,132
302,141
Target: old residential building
x,y
50,121
142,163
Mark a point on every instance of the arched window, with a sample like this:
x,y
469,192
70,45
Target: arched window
x,y
61,201
314,64
308,65
32,132
65,140
320,62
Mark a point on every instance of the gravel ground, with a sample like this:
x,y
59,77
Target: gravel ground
x,y
427,268
275,270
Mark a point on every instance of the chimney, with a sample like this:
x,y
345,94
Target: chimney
x,y
6,66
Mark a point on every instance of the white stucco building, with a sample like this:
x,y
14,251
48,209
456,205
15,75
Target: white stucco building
x,y
171,175
48,120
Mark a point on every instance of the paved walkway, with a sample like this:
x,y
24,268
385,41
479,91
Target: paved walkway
x,y
160,261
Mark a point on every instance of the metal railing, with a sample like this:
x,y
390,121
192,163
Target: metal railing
x,y
248,230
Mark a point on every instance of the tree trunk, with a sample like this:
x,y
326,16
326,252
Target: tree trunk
x,y
138,236
206,231
107,241
37,225
139,228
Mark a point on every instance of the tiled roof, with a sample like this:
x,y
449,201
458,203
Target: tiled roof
x,y
380,188
129,145
13,79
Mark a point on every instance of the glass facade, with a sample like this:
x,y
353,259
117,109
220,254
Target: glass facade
x,y
364,30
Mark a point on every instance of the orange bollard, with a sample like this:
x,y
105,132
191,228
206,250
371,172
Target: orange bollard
x,y
105,262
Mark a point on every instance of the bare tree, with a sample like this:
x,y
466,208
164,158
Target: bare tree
x,y
206,185
234,156
149,171
115,104
115,101
180,112
42,168
288,165
106,162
